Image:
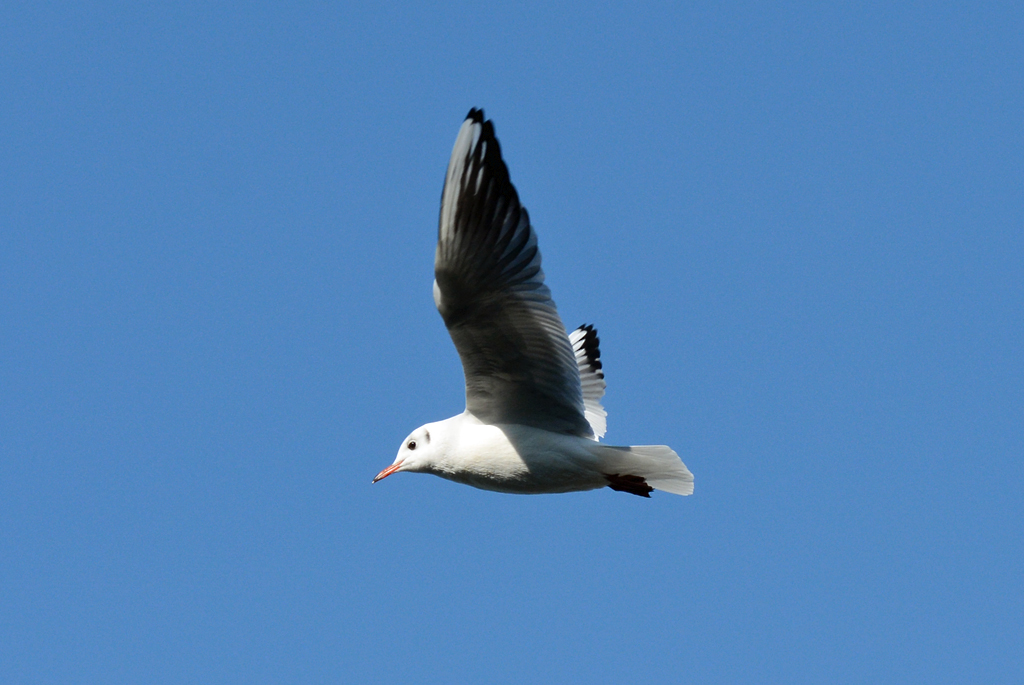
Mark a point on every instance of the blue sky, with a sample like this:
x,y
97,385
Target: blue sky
x,y
797,228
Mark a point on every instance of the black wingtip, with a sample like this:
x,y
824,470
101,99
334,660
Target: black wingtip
x,y
493,149
592,347
634,485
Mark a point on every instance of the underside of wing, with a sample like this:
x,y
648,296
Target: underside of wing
x,y
489,288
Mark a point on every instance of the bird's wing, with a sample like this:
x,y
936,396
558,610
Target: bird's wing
x,y
488,285
585,344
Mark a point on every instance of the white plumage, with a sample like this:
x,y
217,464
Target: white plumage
x,y
533,392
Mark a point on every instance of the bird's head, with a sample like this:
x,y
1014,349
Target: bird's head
x,y
416,454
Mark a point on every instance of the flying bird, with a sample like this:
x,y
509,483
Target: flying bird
x,y
533,413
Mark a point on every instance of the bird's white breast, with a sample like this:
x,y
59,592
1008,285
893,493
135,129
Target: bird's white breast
x,y
515,458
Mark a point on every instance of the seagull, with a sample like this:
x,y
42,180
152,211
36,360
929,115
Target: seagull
x,y
533,413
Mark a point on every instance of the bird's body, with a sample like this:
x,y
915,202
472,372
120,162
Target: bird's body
x,y
529,461
533,413
511,457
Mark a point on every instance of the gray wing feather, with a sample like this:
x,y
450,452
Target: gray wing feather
x,y
489,288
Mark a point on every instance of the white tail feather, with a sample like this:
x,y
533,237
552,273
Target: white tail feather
x,y
657,464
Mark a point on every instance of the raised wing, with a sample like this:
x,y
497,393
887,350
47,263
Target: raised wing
x,y
489,287
585,344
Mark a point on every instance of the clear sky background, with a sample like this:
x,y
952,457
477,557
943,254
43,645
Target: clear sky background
x,y
797,228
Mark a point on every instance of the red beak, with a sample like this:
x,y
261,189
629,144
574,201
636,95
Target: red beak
x,y
387,472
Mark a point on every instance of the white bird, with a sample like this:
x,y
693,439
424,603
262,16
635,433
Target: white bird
x,y
533,393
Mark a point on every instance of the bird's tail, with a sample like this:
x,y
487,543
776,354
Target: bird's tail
x,y
639,468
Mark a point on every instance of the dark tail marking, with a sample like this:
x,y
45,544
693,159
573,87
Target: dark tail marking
x,y
634,485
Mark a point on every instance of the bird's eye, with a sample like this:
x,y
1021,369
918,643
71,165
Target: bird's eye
x,y
411,445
